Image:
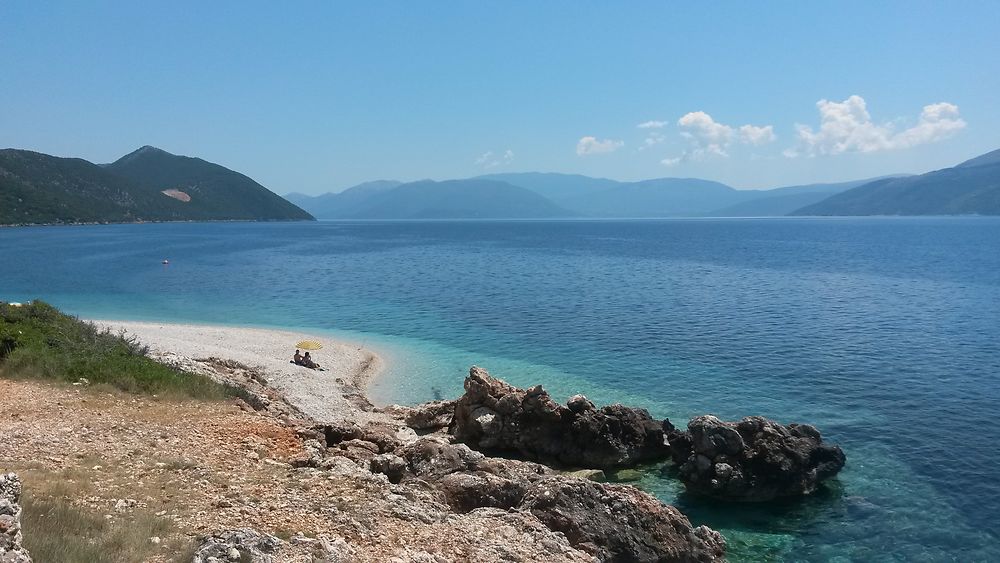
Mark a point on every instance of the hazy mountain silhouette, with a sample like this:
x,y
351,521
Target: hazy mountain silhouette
x,y
457,199
344,204
560,188
972,187
576,195
776,202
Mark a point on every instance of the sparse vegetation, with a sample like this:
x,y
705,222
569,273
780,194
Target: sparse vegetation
x,y
61,531
39,342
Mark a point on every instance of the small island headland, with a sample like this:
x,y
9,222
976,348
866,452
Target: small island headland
x,y
303,467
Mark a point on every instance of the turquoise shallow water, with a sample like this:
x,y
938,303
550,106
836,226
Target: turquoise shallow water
x,y
885,333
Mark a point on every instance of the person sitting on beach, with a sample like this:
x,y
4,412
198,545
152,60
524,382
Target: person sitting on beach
x,y
309,363
297,359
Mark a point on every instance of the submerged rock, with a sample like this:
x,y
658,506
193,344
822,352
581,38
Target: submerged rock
x,y
755,459
493,416
11,550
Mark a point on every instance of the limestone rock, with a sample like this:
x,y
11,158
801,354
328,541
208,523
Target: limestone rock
x,y
620,523
493,416
609,522
755,459
467,491
391,465
590,474
11,550
430,416
432,458
243,545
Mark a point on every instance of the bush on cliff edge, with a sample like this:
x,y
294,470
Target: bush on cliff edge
x,y
39,342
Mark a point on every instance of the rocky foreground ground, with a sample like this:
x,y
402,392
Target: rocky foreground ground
x,y
256,479
192,472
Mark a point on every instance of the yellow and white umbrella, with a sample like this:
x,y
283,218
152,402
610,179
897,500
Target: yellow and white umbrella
x,y
309,345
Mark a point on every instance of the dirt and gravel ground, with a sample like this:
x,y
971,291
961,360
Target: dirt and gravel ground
x,y
162,473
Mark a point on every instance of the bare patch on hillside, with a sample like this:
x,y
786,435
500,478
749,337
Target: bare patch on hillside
x,y
177,194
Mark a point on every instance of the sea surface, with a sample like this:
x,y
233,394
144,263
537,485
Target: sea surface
x,y
882,332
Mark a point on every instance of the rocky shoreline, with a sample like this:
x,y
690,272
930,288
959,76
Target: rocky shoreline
x,y
487,467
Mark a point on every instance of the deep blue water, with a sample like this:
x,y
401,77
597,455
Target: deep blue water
x,y
883,332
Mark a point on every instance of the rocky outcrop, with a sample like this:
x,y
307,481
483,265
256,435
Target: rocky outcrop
x,y
244,545
11,550
755,459
430,416
607,522
620,523
493,416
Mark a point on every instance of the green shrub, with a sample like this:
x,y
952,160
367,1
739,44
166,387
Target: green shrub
x,y
39,342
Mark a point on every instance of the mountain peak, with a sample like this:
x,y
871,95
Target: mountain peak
x,y
143,151
148,149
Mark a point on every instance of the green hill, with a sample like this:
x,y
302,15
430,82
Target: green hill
x,y
215,192
971,188
37,188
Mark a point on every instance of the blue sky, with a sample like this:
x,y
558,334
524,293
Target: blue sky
x,y
314,97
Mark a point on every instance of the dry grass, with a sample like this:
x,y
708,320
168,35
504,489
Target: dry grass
x,y
58,530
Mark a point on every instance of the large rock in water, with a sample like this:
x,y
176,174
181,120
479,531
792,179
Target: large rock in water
x,y
11,550
755,459
621,523
493,416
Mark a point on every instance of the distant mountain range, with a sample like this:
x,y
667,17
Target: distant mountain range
x,y
972,187
153,185
146,185
550,195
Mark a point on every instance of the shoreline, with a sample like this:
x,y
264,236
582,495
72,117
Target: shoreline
x,y
150,222
337,394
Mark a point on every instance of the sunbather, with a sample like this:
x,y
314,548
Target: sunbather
x,y
308,362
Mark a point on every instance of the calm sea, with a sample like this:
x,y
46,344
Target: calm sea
x,y
883,332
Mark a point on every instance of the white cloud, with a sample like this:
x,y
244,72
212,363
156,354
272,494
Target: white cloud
x,y
848,127
937,121
489,159
652,139
591,145
753,135
652,124
708,137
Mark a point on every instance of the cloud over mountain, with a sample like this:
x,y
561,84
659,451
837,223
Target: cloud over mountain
x,y
708,137
592,145
848,127
490,159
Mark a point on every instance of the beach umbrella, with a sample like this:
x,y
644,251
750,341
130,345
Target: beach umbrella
x,y
309,345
